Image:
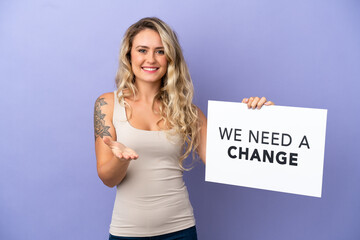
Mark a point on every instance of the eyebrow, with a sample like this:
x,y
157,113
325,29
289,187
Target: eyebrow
x,y
140,46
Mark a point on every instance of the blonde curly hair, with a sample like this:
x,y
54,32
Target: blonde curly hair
x,y
176,92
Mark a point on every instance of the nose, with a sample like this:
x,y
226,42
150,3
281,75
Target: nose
x,y
151,58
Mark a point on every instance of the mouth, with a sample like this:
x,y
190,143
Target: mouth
x,y
150,69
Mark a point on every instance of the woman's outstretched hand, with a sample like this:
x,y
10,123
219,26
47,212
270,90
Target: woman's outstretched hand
x,y
256,102
120,151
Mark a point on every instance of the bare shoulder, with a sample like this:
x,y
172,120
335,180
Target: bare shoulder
x,y
201,115
105,99
104,104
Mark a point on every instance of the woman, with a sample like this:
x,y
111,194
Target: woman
x,y
143,132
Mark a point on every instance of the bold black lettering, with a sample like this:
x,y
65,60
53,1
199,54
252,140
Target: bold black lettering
x,y
270,156
293,159
229,151
283,141
264,137
246,153
255,139
237,134
273,138
222,134
305,142
255,154
283,159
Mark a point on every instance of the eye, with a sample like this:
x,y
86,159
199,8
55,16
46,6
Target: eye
x,y
142,50
161,52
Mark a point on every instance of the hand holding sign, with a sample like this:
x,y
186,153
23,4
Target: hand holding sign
x,y
256,102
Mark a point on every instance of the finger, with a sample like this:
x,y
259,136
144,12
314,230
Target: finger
x,y
130,151
126,156
127,153
245,100
268,103
119,155
261,102
251,99
134,157
133,154
255,102
123,157
107,140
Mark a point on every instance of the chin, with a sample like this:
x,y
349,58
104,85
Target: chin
x,y
150,80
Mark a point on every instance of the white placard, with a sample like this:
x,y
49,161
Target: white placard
x,y
275,148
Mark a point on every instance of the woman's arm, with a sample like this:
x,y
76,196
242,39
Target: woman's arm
x,y
112,157
202,143
252,102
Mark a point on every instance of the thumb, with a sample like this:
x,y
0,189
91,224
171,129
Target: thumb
x,y
107,141
269,103
245,100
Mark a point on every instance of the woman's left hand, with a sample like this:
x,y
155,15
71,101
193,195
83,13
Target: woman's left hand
x,y
256,102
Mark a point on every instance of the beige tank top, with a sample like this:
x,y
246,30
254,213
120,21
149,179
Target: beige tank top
x,y
152,199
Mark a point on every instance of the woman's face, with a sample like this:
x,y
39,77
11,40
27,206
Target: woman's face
x,y
148,60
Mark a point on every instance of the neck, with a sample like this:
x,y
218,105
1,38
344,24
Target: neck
x,y
147,91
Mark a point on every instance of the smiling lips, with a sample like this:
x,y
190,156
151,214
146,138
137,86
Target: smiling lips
x,y
150,69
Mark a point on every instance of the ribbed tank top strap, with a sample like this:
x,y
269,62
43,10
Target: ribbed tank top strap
x,y
119,114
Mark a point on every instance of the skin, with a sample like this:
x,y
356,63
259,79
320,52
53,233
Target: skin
x,y
149,65
148,52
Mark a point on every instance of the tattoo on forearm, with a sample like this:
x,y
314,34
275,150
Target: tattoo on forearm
x,y
99,123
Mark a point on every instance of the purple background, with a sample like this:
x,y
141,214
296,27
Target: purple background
x,y
57,57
